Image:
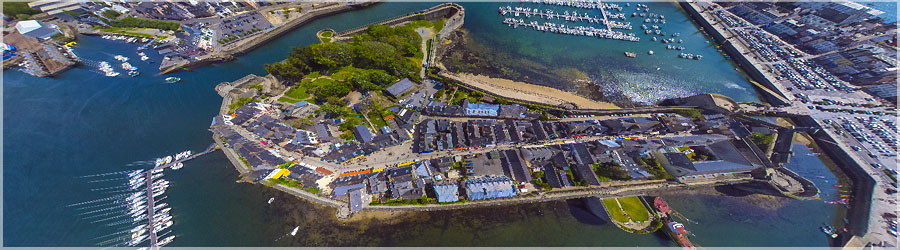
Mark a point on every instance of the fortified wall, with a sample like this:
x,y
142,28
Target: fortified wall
x,y
454,13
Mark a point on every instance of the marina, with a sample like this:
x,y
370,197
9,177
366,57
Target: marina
x,y
141,204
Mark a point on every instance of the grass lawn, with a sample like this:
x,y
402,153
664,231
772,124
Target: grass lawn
x,y
634,208
297,93
376,119
325,40
321,82
287,99
614,212
327,33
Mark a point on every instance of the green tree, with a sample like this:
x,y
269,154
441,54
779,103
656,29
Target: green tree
x,y
111,14
611,170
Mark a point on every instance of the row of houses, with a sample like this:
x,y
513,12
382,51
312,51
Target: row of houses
x,y
441,134
367,141
467,109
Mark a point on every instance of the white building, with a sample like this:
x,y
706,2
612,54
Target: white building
x,y
33,28
305,137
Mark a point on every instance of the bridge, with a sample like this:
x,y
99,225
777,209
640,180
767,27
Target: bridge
x,y
151,202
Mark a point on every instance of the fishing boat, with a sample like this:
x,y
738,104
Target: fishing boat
x,y
650,52
293,233
630,54
177,166
121,58
172,79
133,73
271,200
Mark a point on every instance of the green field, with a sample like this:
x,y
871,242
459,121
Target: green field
x,y
635,208
614,212
631,205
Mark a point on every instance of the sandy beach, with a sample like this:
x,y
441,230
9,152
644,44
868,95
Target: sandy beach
x,y
529,92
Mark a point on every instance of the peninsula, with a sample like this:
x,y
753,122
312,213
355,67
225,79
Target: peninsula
x,y
377,135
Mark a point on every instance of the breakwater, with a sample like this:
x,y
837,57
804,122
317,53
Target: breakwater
x,y
768,89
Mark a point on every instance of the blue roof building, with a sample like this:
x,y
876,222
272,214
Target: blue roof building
x,y
490,188
474,109
362,133
446,192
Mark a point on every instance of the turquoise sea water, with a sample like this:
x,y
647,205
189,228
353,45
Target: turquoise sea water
x,y
644,79
56,130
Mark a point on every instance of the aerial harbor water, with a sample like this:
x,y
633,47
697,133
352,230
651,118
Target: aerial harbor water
x,y
81,123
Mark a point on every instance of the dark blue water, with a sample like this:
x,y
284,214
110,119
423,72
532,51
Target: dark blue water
x,y
80,123
765,221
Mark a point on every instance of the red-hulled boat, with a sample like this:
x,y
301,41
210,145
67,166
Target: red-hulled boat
x,y
673,229
678,233
661,205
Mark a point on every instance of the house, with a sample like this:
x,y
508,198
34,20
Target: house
x,y
490,188
446,192
399,87
35,29
362,133
305,137
473,109
512,163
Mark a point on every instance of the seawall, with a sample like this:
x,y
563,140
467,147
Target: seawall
x,y
863,185
771,93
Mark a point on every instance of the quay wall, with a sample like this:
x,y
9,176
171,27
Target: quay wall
x,y
728,46
863,186
454,13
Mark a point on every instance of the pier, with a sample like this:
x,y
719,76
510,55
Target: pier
x,y
151,202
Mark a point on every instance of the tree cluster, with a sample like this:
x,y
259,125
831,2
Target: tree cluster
x,y
611,170
133,22
19,10
655,168
381,47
